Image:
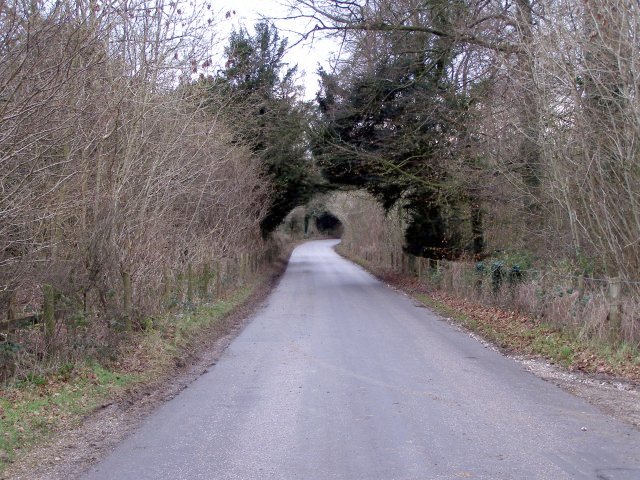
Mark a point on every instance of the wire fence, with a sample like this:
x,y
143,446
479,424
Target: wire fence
x,y
598,305
191,285
396,258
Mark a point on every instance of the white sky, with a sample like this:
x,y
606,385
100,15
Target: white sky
x,y
307,56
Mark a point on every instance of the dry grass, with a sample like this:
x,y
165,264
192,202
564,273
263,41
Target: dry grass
x,y
564,328
46,401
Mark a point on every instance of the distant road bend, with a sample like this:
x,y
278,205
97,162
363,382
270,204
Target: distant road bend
x,y
340,377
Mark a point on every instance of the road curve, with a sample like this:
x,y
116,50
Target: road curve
x,y
340,377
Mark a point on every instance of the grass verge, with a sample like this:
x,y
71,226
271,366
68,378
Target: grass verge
x,y
33,409
518,333
523,335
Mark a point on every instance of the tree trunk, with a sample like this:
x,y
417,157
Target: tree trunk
x,y
529,115
127,300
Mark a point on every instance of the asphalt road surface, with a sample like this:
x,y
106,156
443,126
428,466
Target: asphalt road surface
x,y
340,377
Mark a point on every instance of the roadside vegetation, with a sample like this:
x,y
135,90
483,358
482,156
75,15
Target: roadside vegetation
x,y
525,335
560,324
136,170
496,143
486,149
42,403
136,176
496,127
140,185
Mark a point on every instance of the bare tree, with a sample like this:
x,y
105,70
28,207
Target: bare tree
x,y
112,177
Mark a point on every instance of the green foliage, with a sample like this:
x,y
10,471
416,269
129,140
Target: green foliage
x,y
266,114
522,259
9,347
391,127
33,408
586,265
510,267
33,379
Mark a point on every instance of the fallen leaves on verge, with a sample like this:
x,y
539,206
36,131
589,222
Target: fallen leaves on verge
x,y
523,334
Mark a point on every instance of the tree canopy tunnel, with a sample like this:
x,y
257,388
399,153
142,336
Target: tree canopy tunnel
x,y
394,133
329,224
390,127
315,219
257,93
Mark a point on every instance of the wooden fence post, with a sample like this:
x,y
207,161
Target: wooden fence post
x,y
444,281
48,314
218,278
231,272
11,307
615,306
580,286
206,277
243,266
411,264
237,265
166,293
127,299
479,272
189,284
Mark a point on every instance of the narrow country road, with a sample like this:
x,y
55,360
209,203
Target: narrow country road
x,y
340,377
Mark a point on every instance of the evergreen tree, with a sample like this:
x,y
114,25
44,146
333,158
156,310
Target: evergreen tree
x,y
389,126
268,115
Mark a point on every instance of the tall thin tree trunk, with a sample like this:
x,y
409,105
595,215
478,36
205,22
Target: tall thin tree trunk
x,y
529,152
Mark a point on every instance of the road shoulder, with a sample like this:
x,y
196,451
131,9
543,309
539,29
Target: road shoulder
x,y
72,450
